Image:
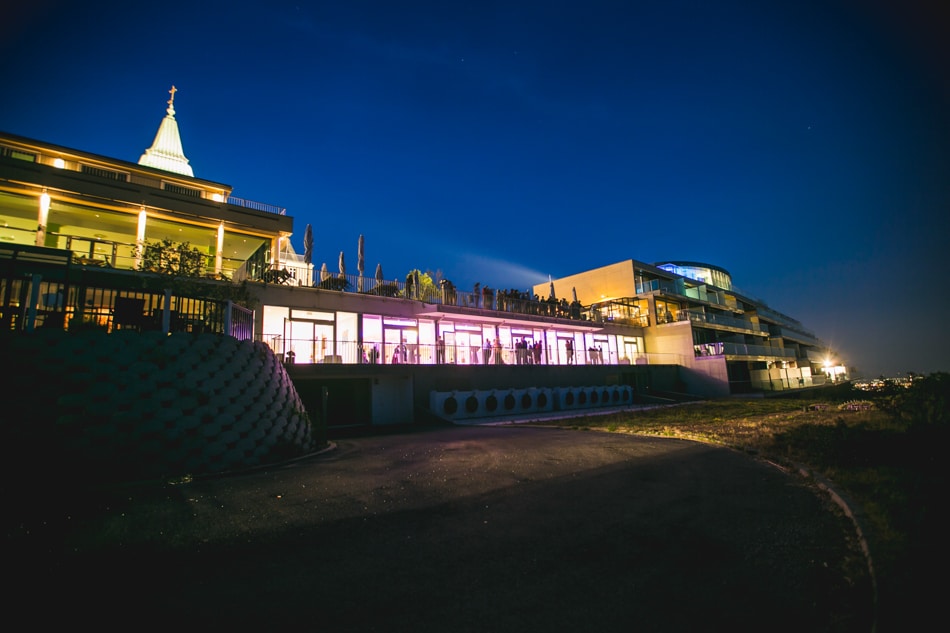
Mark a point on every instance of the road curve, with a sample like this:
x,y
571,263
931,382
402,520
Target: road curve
x,y
488,529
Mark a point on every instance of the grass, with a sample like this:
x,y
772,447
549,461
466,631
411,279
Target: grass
x,y
882,450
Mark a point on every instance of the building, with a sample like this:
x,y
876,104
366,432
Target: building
x,y
103,218
691,313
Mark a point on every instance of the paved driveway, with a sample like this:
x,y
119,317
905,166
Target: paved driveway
x,y
485,529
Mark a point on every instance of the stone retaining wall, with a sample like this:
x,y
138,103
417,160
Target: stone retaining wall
x,y
146,405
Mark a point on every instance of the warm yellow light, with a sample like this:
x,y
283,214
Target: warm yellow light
x,y
44,202
59,163
217,197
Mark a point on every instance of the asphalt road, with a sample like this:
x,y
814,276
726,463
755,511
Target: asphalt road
x,y
487,529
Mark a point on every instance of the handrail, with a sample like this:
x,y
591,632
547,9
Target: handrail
x,y
351,352
448,295
257,206
742,349
714,319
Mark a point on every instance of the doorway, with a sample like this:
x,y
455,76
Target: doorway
x,y
309,342
400,346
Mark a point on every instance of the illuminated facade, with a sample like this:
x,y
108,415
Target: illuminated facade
x,y
103,213
691,311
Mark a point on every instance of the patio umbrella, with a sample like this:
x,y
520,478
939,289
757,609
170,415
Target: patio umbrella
x,y
342,266
360,262
308,245
324,273
379,273
574,293
551,295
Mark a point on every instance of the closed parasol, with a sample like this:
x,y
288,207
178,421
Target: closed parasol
x,y
342,266
308,245
360,260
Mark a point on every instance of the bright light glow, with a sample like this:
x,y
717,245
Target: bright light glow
x,y
59,163
140,228
219,251
217,197
43,219
140,235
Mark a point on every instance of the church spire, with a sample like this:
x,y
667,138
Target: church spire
x,y
166,152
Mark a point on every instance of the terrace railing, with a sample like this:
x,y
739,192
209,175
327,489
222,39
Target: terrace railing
x,y
726,321
349,352
256,206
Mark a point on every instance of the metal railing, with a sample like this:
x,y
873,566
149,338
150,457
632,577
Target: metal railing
x,y
349,352
100,253
699,293
40,289
716,319
796,334
486,298
257,206
742,349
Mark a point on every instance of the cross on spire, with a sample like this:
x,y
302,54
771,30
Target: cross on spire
x,y
172,93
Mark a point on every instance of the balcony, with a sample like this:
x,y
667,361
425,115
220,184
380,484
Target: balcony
x,y
697,293
256,206
798,336
723,322
757,352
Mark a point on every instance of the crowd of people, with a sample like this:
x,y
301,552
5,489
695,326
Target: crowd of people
x,y
511,300
523,303
528,353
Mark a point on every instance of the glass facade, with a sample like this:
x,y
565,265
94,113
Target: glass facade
x,y
302,336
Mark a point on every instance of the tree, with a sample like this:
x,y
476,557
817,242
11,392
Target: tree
x,y
183,268
427,286
925,403
167,258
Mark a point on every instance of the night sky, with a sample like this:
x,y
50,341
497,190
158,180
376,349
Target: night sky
x,y
804,145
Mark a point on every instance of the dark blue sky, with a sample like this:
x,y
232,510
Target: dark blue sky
x,y
804,146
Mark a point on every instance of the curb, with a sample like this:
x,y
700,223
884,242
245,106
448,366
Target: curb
x,y
856,518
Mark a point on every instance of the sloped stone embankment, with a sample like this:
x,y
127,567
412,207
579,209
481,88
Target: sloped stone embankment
x,y
131,405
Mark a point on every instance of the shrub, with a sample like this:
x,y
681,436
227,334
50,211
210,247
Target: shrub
x,y
925,403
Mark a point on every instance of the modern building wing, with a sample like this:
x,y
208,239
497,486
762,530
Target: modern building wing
x,y
691,310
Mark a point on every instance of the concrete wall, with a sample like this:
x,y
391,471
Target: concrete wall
x,y
392,398
612,281
672,340
707,376
372,395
